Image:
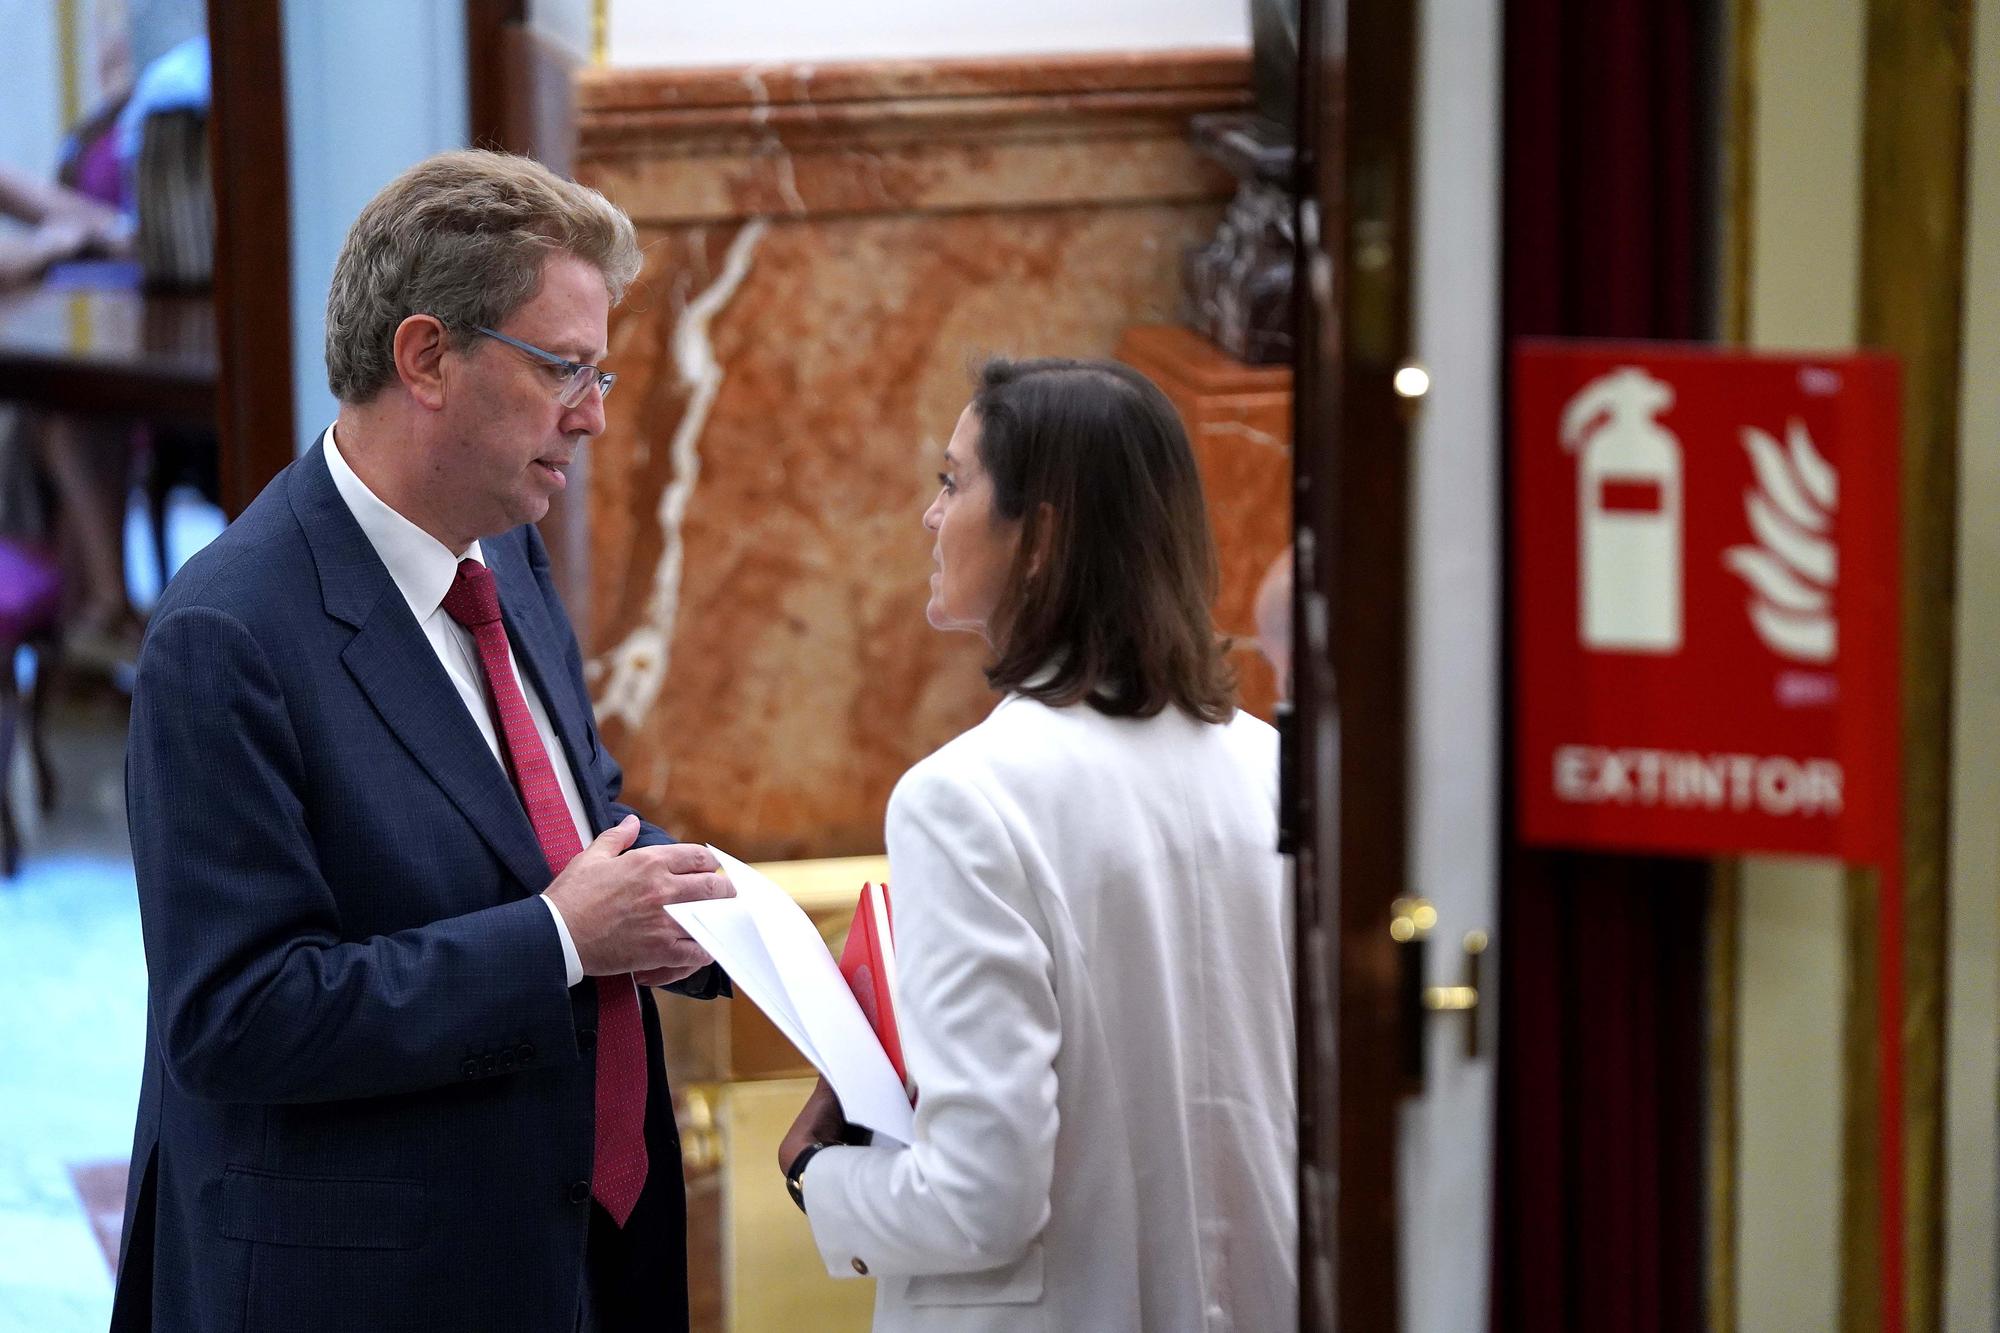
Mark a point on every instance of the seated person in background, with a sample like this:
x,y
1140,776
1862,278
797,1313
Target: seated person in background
x,y
86,209
59,223
87,462
86,213
1093,931
91,211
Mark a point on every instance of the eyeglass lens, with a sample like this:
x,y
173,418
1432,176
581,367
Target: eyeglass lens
x,y
579,382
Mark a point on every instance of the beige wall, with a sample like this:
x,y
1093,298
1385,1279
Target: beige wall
x,y
1803,289
648,32
1809,68
1972,1019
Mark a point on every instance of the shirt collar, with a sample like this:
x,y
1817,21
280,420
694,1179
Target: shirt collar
x,y
421,565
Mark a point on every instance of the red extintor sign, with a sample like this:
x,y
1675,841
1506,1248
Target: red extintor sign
x,y
1706,590
1707,628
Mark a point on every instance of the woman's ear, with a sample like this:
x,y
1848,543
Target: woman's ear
x,y
418,349
1045,536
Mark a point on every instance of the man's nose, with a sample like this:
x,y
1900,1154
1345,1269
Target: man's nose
x,y
587,417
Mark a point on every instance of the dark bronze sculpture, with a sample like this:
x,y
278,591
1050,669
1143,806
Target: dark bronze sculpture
x,y
1239,284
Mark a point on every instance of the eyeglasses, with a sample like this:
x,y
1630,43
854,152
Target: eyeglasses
x,y
576,376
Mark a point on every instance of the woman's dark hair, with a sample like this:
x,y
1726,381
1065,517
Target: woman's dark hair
x,y
1108,599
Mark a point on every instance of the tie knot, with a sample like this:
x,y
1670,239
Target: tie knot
x,y
473,598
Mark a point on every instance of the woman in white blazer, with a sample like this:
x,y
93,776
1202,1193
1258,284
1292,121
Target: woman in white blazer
x,y
1092,925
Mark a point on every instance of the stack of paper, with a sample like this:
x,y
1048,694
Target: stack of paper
x,y
774,955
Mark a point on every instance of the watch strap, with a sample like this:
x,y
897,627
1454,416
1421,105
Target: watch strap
x,y
795,1174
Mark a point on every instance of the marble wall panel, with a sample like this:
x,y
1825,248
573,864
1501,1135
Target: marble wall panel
x,y
1239,423
793,360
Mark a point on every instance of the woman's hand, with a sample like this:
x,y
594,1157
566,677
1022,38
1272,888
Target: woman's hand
x,y
820,1121
695,958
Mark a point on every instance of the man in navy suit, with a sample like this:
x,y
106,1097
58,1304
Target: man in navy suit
x,y
401,1071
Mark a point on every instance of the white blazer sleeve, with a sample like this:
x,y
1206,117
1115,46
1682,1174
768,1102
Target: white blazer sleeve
x,y
977,1010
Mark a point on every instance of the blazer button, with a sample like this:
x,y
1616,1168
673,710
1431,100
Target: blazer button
x,y
470,1068
580,1192
524,1052
586,1040
490,1064
859,1267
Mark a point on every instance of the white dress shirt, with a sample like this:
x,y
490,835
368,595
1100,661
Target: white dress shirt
x,y
423,571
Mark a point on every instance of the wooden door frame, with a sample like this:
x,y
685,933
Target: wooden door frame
x,y
489,26
255,420
248,149
1349,747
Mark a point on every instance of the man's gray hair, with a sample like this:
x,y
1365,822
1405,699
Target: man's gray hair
x,y
461,236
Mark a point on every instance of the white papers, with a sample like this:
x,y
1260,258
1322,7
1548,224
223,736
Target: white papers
x,y
774,955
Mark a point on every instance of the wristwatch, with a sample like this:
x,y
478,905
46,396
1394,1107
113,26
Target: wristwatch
x,y
796,1173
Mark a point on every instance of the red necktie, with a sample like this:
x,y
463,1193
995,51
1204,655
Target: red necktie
x,y
618,1163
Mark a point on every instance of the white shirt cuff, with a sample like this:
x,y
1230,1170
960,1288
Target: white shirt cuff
x,y
572,964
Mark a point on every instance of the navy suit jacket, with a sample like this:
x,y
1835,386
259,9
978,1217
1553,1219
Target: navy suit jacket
x,y
368,1093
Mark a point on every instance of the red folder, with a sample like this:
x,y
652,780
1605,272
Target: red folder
x,y
869,964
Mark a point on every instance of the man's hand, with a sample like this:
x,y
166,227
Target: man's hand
x,y
613,898
820,1122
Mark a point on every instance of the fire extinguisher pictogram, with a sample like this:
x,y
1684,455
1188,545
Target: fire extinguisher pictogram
x,y
1629,520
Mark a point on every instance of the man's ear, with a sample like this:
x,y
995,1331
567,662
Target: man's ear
x,y
419,348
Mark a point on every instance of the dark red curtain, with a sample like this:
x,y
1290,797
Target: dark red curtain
x,y
1609,217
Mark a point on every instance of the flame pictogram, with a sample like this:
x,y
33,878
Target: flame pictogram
x,y
1794,567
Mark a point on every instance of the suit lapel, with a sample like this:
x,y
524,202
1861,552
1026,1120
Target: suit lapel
x,y
396,668
393,663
